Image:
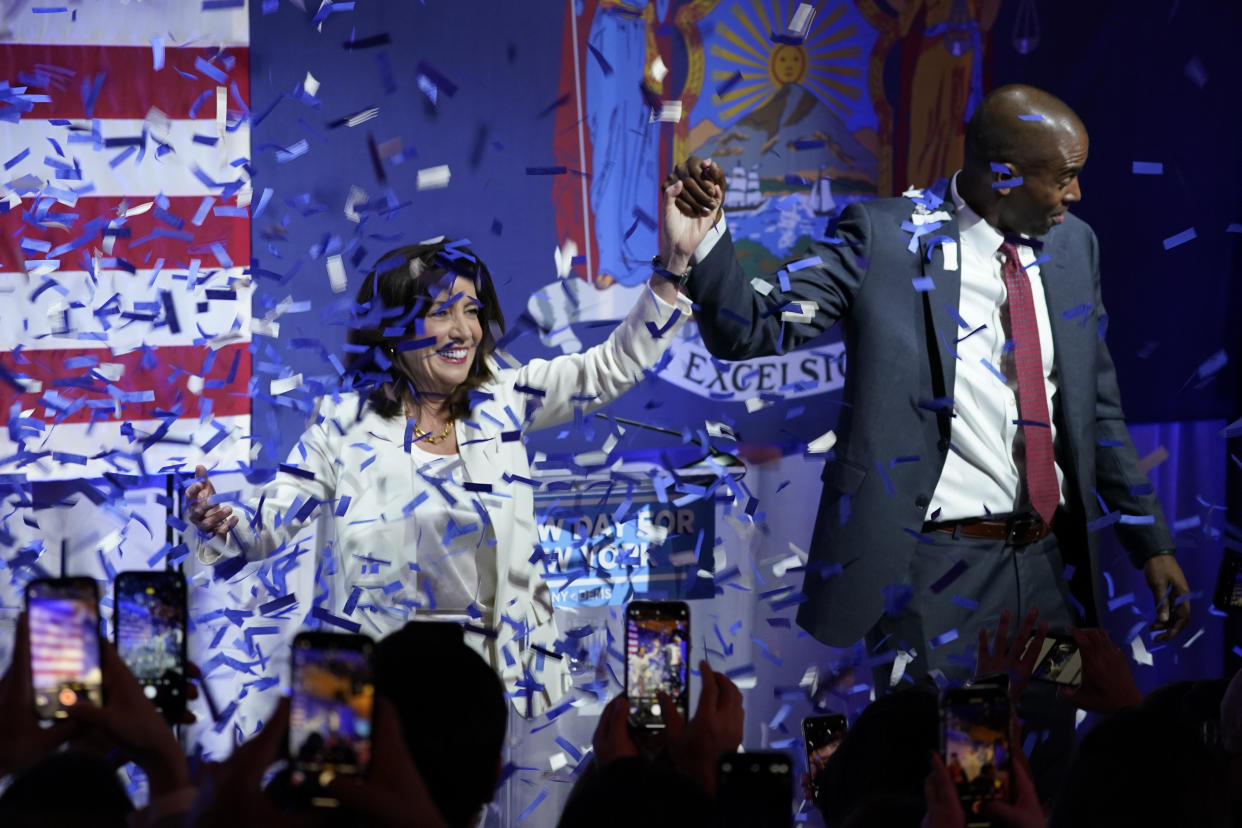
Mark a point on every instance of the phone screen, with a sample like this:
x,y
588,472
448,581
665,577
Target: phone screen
x,y
975,738
1235,592
822,735
1229,584
755,790
1059,662
657,653
63,615
150,636
330,717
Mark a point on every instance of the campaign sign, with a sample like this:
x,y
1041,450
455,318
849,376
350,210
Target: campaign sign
x,y
608,543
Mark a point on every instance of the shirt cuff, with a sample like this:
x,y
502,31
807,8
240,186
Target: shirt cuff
x,y
714,234
666,310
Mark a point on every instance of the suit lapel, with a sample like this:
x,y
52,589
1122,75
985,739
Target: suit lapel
x,y
1074,325
943,301
1069,317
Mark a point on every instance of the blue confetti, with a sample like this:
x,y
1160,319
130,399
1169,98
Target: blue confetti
x,y
1179,238
996,373
336,621
966,603
1121,601
277,604
539,798
728,83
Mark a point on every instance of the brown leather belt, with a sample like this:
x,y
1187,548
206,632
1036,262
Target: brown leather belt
x,y
1016,530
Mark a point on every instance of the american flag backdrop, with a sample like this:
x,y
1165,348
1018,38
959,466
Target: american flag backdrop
x,y
125,206
60,632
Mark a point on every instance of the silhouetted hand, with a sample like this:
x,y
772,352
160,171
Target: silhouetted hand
x,y
1015,659
1231,716
612,739
1168,587
22,740
230,793
1107,683
129,721
213,520
944,809
714,730
393,794
1026,811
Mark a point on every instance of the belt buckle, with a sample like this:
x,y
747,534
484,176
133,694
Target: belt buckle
x,y
1019,528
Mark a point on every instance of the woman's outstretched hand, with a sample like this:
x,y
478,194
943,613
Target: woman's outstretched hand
x,y
210,519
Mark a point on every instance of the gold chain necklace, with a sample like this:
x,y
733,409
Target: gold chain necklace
x,y
419,434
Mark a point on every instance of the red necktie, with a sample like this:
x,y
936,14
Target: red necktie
x,y
1041,473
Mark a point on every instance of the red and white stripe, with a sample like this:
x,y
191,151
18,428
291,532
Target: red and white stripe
x,y
124,302
56,640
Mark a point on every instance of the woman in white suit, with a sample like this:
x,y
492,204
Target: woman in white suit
x,y
418,477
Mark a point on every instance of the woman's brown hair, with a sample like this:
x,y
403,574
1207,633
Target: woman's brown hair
x,y
399,291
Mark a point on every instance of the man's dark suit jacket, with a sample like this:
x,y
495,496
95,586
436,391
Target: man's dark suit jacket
x,y
899,375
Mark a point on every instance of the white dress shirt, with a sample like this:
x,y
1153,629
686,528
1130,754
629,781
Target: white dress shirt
x,y
450,538
982,473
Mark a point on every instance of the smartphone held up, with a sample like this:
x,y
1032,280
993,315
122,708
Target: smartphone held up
x,y
331,714
1059,662
1227,596
822,736
65,663
657,659
974,740
150,623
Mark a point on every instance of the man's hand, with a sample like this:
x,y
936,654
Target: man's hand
x,y
211,520
703,181
22,740
612,739
715,729
944,809
681,232
1168,587
1016,659
230,793
129,720
1107,683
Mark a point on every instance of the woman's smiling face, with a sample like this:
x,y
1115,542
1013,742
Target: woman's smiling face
x,y
454,322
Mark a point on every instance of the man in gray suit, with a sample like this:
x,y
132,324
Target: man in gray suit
x,y
983,441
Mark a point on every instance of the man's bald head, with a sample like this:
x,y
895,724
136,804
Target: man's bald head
x,y
1024,151
1019,125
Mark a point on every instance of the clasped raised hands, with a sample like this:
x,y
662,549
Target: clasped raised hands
x,y
693,198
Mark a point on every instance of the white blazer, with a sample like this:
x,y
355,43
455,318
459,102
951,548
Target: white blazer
x,y
368,540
